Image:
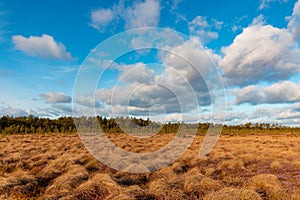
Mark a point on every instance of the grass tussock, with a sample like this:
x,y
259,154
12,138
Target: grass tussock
x,y
101,186
19,184
164,173
267,185
68,181
54,166
296,195
235,164
167,188
192,181
131,179
276,165
233,194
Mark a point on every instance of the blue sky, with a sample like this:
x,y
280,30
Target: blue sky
x,y
253,43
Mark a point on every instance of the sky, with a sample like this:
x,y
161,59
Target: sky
x,y
229,62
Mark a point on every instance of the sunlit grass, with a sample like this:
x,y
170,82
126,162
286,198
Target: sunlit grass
x,y
239,167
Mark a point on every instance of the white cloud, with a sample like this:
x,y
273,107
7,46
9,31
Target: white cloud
x,y
102,63
44,46
249,94
56,97
155,38
63,108
260,53
188,69
206,31
190,51
136,99
180,85
191,60
289,115
260,20
175,4
217,24
9,111
137,72
101,18
139,14
199,21
266,3
235,28
142,14
294,21
272,114
283,92
87,101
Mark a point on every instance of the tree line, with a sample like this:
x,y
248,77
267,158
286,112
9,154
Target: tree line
x,y
32,124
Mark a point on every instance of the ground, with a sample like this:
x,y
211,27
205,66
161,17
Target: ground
x,y
56,166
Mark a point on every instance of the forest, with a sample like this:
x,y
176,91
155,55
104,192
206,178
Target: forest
x,y
32,124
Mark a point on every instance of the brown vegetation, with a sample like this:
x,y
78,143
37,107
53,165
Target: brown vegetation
x,y
56,166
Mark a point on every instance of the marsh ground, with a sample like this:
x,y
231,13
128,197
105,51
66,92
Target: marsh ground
x,y
56,166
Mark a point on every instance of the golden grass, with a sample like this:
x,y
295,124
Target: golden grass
x,y
101,186
296,195
276,165
68,181
167,188
192,181
268,185
18,185
239,167
233,194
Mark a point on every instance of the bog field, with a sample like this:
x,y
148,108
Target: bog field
x,y
57,166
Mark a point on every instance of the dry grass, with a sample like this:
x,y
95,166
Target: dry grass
x,y
276,165
268,186
233,194
101,186
68,181
239,167
167,188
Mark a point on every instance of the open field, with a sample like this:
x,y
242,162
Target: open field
x,y
57,166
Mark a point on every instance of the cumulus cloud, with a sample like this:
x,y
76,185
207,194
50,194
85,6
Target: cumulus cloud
x,y
139,14
101,18
249,94
294,22
56,97
136,99
137,72
142,14
44,46
194,63
283,92
180,85
189,56
154,38
260,52
87,101
201,28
